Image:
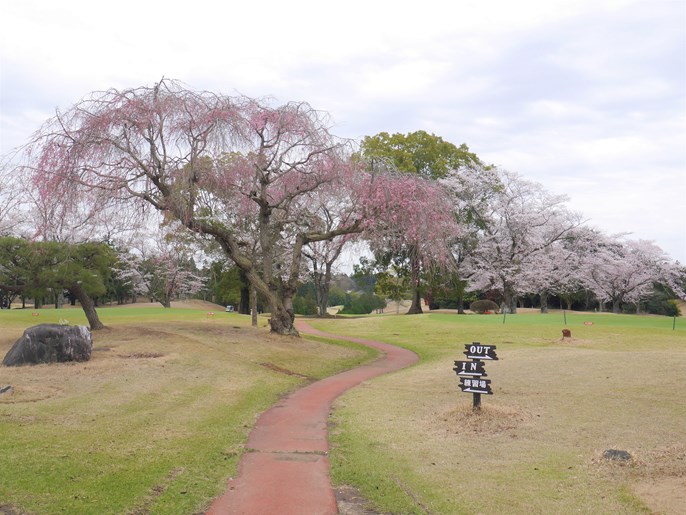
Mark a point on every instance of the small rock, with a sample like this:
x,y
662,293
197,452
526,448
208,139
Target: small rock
x,y
616,455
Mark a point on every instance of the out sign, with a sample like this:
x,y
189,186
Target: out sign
x,y
477,351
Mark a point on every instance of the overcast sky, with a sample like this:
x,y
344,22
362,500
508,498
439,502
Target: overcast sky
x,y
586,97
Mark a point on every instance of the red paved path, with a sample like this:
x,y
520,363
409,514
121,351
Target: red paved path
x,y
286,470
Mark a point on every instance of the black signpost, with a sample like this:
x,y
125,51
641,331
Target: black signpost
x,y
472,373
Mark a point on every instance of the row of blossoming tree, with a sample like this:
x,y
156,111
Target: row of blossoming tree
x,y
274,191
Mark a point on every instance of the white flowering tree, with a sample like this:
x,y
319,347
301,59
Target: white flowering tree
x,y
520,222
619,270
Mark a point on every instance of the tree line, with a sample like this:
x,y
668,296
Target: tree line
x,y
271,190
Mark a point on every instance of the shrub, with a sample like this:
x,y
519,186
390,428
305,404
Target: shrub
x,y
481,306
304,305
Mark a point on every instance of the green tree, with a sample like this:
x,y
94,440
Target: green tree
x,y
363,304
305,305
418,152
392,286
15,263
82,269
39,268
364,274
336,296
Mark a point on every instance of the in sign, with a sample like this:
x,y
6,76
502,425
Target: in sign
x,y
470,368
477,351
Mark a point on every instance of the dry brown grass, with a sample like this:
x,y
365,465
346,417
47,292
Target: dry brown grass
x,y
154,422
535,445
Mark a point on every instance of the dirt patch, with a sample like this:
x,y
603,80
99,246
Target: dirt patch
x,y
281,370
155,492
490,419
30,393
653,464
657,477
666,495
351,502
143,355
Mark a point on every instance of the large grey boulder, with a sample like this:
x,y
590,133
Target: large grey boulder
x,y
50,343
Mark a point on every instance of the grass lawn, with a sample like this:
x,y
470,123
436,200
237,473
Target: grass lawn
x,y
155,422
412,444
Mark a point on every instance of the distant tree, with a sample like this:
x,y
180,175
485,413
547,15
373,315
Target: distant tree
x,y
224,284
393,284
429,156
363,304
336,296
472,190
417,231
364,274
322,255
622,271
419,152
661,301
10,202
522,222
16,256
304,302
82,269
163,270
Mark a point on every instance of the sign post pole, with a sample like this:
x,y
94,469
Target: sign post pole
x,y
476,406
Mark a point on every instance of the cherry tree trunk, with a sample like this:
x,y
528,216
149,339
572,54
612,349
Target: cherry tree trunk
x,y
87,305
281,321
509,301
616,306
253,306
322,287
460,303
244,306
544,302
416,307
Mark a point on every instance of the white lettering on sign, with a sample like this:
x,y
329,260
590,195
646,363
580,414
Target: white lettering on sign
x,y
480,349
479,352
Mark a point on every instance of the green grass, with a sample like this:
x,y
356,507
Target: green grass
x,y
156,421
411,443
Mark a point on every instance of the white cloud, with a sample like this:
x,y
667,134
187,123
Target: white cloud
x,y
585,97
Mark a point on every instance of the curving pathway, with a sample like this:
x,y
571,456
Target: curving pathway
x,y
286,468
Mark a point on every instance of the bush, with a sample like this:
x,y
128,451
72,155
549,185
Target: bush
x,y
305,305
336,296
481,306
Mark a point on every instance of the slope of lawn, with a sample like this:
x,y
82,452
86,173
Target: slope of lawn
x,y
155,422
410,442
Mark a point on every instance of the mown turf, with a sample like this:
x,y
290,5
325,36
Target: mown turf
x,y
412,444
156,421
